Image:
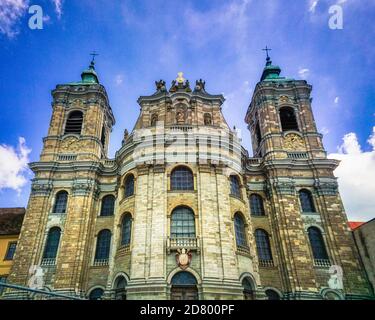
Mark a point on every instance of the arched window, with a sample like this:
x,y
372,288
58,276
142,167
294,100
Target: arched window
x,y
126,229
182,179
120,288
60,202
184,286
154,120
96,294
288,119
240,230
272,294
103,246
129,186
307,203
74,123
317,244
182,223
207,119
235,186
52,245
108,206
256,205
263,247
248,287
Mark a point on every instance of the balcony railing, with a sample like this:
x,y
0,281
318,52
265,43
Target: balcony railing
x,y
183,128
100,262
266,263
322,263
243,249
178,243
298,155
48,262
66,157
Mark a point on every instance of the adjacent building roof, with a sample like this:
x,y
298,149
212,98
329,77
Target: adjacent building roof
x,y
355,224
11,220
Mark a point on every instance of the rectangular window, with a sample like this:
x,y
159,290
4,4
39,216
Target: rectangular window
x,y
11,250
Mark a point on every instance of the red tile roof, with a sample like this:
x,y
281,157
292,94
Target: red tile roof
x,y
11,220
355,224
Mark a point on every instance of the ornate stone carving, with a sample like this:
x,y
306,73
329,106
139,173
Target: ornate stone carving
x,y
41,189
293,141
326,188
200,85
284,187
183,258
160,86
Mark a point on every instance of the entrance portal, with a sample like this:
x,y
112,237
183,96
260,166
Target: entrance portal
x,y
184,287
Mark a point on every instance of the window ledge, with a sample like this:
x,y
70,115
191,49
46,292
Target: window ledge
x,y
182,191
100,263
127,198
111,216
258,216
236,197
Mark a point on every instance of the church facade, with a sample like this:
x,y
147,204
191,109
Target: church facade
x,y
183,212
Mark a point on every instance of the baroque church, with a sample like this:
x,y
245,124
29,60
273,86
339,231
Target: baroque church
x,y
183,211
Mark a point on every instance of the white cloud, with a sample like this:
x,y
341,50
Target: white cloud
x,y
324,130
119,79
356,174
58,7
13,165
304,73
337,99
313,4
11,12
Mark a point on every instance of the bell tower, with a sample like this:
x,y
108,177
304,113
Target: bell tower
x,y
280,118
81,121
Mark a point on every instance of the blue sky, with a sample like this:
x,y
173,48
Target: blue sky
x,y
220,41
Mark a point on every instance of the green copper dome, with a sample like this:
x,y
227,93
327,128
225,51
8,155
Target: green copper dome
x,y
270,72
89,75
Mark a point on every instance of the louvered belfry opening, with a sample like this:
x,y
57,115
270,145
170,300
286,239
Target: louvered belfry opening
x,y
74,123
288,119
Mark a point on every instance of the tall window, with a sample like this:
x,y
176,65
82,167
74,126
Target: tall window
x,y
60,202
96,294
235,186
240,230
52,244
258,134
103,137
120,288
129,186
256,205
263,246
103,245
182,223
182,179
307,203
248,287
11,251
108,206
288,119
74,123
317,244
126,228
